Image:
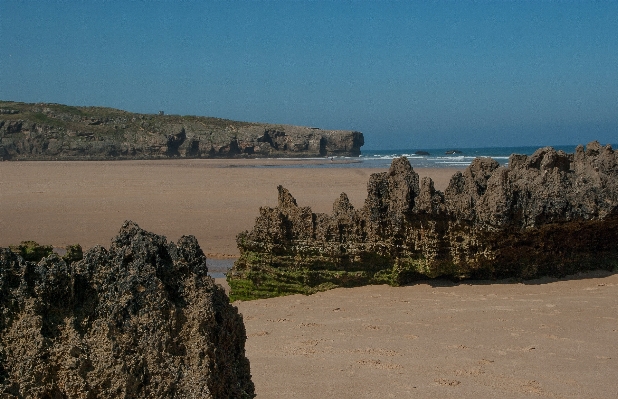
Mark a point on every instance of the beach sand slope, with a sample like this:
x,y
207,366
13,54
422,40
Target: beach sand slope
x,y
541,338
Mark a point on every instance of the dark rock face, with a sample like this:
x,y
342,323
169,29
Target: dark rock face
x,y
140,320
551,213
54,131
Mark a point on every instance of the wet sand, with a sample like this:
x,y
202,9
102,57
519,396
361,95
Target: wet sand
x,y
543,338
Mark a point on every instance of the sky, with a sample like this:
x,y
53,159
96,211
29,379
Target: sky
x,y
408,74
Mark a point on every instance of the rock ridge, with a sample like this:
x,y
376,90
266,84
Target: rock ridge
x,y
141,319
60,132
550,213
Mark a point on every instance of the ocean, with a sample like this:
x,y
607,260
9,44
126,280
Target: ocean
x,y
448,157
437,158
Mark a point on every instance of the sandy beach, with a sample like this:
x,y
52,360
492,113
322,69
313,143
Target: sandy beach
x,y
61,203
435,339
544,338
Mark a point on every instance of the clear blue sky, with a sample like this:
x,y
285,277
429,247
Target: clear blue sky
x,y
406,74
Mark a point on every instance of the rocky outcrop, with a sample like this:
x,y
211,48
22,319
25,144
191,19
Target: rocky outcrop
x,y
551,213
140,320
54,131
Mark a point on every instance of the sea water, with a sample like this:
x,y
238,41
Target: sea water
x,y
217,268
437,158
448,157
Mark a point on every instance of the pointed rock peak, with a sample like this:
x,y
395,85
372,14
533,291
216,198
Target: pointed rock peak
x,y
285,198
556,159
189,252
129,225
400,165
427,185
342,205
129,229
478,173
457,184
548,158
593,148
131,233
482,166
517,161
534,160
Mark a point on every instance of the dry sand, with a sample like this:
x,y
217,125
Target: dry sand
x,y
544,338
61,203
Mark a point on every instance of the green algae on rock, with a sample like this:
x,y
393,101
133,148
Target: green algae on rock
x,y
32,251
550,213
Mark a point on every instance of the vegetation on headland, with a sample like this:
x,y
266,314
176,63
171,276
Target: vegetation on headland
x,y
73,117
264,281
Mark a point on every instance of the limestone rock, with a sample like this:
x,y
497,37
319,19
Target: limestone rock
x,y
550,213
140,320
55,131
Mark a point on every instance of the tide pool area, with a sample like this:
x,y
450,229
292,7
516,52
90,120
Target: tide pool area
x,y
217,268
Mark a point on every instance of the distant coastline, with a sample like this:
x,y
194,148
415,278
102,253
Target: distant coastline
x,y
45,131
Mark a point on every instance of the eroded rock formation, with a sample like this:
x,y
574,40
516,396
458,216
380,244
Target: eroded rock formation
x,y
54,131
550,213
140,320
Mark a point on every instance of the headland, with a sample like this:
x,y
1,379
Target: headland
x,y
61,132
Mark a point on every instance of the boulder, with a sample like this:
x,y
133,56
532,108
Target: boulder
x,y
141,319
550,213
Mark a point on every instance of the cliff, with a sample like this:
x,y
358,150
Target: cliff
x,y
140,320
60,132
550,213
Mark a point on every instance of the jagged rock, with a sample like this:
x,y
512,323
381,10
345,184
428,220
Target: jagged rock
x,y
54,131
140,320
550,213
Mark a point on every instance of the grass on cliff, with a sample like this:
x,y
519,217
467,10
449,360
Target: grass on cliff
x,y
66,115
260,282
